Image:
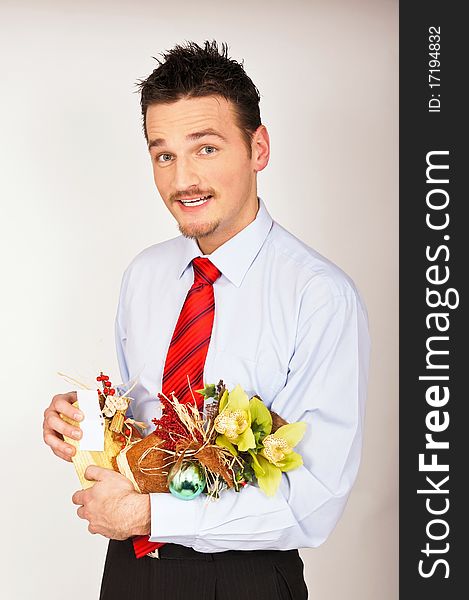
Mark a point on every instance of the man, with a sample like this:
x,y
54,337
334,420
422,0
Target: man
x,y
278,318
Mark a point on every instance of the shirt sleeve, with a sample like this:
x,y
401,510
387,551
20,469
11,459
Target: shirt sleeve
x,y
326,388
121,338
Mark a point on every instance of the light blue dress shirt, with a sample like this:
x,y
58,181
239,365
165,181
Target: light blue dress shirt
x,y
289,326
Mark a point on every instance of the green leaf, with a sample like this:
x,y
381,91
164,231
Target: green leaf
x,y
292,433
208,391
224,442
261,419
259,437
290,462
248,473
246,440
270,478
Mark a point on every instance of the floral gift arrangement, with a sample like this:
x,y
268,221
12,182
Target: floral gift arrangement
x,y
235,441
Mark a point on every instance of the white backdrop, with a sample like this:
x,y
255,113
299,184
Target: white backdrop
x,y
78,202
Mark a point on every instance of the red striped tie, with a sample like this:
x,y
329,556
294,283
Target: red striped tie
x,y
187,352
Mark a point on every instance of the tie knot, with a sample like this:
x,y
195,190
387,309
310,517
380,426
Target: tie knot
x,y
205,272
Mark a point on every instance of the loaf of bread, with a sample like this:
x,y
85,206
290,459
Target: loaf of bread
x,y
145,464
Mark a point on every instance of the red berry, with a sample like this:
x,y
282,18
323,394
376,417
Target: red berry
x,y
107,384
105,378
111,392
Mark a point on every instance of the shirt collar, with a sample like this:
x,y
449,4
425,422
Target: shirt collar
x,y
234,257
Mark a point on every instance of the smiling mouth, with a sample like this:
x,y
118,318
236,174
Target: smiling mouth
x,y
196,201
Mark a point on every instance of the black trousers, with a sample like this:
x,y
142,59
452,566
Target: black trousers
x,y
184,574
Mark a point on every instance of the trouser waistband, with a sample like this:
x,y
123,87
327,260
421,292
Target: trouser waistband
x,y
176,551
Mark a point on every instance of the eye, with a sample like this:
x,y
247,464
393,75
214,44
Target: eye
x,y
208,150
164,158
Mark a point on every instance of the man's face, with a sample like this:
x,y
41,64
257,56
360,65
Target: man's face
x,y
199,154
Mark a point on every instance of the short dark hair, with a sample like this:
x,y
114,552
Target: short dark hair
x,y
192,71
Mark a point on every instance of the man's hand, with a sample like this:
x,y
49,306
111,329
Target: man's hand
x,y
54,427
112,506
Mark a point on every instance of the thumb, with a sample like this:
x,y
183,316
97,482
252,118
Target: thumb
x,y
95,473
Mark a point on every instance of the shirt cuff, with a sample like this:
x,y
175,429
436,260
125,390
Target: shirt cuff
x,y
167,527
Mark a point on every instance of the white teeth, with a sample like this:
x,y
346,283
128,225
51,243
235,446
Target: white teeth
x,y
195,202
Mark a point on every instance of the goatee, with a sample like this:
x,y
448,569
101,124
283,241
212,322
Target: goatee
x,y
198,231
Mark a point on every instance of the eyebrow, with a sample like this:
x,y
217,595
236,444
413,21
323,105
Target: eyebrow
x,y
191,137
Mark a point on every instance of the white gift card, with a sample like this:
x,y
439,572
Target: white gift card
x,y
92,425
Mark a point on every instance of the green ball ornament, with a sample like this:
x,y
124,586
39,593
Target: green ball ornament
x,y
187,481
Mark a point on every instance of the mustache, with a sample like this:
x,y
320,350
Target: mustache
x,y
197,192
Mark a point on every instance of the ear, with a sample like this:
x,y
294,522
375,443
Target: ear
x,y
260,148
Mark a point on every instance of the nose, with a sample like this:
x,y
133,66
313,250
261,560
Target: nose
x,y
185,174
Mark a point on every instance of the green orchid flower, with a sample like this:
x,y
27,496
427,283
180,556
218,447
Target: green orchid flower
x,y
277,456
268,475
223,401
234,421
278,447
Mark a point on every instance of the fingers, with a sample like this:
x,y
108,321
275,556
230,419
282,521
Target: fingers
x,y
55,423
54,427
62,403
79,497
58,446
64,454
83,514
